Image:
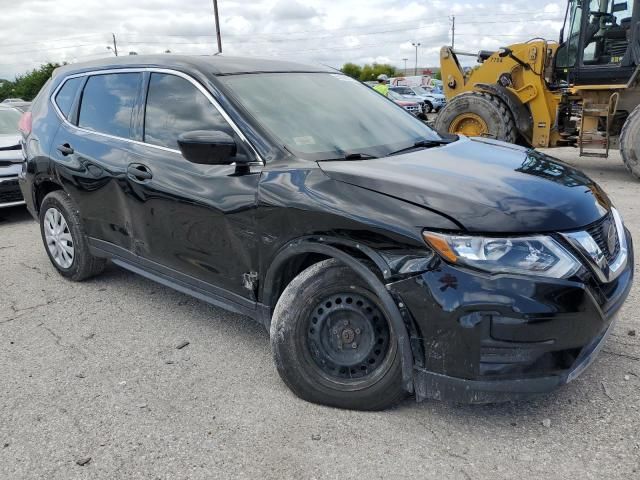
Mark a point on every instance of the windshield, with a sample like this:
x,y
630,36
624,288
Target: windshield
x,y
568,52
322,116
404,91
9,119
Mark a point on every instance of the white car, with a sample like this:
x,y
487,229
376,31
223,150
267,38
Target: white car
x,y
11,158
432,101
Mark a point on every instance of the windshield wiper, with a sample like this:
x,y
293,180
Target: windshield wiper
x,y
352,156
427,144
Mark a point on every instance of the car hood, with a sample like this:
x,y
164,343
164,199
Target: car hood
x,y
483,186
9,140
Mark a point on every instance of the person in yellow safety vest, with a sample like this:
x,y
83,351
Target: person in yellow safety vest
x,y
382,87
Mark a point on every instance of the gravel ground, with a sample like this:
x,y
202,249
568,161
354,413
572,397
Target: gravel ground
x,y
91,371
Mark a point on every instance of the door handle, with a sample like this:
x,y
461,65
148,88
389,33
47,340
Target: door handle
x,y
65,149
138,172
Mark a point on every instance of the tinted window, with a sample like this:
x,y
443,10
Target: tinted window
x,y
107,103
67,94
175,106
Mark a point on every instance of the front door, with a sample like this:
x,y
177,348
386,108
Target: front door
x,y
196,220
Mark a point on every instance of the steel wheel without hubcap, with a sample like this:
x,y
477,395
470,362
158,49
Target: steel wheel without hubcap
x,y
469,124
349,340
58,238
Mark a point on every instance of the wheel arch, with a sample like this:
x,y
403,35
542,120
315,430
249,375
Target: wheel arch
x,y
42,189
519,111
306,251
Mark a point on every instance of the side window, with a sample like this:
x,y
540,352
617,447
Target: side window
x,y
175,106
107,103
67,94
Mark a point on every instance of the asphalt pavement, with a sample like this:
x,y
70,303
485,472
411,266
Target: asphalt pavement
x,y
93,385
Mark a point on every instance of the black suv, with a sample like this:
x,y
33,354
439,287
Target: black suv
x,y
384,258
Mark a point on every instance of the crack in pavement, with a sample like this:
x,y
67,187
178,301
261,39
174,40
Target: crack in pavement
x,y
624,355
60,343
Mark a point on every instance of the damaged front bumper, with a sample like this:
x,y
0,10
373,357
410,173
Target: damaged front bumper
x,y
481,339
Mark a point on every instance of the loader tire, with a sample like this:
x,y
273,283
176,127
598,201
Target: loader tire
x,y
630,142
477,114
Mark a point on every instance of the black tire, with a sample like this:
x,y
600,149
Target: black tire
x,y
305,347
428,107
495,114
83,265
630,142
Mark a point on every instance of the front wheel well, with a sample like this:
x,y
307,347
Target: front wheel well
x,y
290,270
295,265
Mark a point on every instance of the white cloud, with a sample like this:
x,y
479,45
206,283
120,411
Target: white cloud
x,y
293,10
312,31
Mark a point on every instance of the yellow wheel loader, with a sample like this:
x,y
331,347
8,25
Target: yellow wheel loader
x,y
581,91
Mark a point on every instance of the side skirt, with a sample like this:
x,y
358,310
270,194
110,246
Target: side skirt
x,y
178,281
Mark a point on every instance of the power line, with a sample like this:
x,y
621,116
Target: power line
x,y
431,20
288,40
31,42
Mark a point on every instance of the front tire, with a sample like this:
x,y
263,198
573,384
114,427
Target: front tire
x,y
64,239
428,107
477,114
630,142
332,343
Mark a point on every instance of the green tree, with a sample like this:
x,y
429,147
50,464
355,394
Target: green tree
x,y
371,72
352,70
437,75
28,85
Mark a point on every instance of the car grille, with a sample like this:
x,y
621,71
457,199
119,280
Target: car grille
x,y
599,231
10,191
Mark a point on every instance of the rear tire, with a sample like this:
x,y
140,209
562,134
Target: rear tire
x,y
477,114
64,239
630,142
332,343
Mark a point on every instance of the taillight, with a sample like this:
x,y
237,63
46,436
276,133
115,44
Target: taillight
x,y
24,125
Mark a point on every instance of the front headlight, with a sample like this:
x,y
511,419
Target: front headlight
x,y
536,255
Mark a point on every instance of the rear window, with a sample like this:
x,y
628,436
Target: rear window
x,y
66,95
107,103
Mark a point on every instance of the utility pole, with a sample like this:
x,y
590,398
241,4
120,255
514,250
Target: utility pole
x,y
215,14
405,65
453,32
115,45
416,45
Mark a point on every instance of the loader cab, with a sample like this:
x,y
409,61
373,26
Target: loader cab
x,y
599,42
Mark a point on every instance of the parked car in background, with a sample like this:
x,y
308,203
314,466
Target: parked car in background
x,y
11,158
383,258
413,107
432,101
13,100
18,103
406,92
23,107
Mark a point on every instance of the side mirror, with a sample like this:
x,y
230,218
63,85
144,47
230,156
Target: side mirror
x,y
208,147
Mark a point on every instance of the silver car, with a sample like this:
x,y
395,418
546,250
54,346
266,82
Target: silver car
x,y
432,101
11,158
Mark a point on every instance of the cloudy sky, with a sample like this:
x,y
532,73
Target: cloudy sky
x,y
317,31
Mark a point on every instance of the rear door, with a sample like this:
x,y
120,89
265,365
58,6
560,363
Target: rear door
x,y
93,148
198,223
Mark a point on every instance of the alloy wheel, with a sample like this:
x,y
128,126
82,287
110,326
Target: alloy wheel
x,y
58,238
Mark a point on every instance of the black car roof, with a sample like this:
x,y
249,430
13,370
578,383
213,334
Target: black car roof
x,y
207,64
